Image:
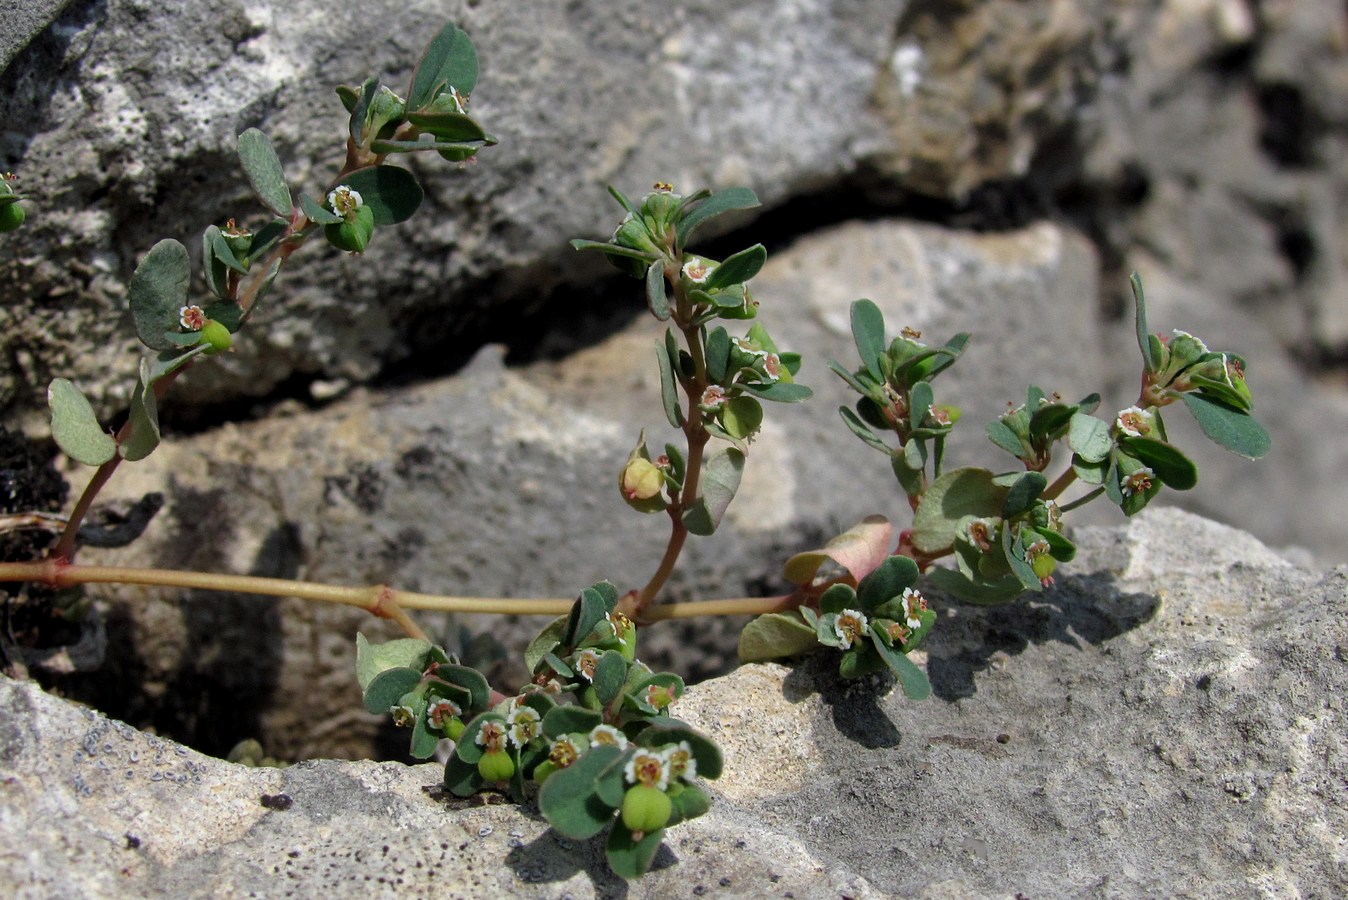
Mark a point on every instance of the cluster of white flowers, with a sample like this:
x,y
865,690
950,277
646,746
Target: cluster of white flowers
x,y
655,767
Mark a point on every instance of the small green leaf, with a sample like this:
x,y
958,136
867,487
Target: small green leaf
x,y
742,417
609,673
919,403
717,354
887,581
570,720
317,213
720,481
868,331
914,681
957,493
1015,558
144,419
1149,359
450,60
388,687
75,427
837,598
710,762
360,109
1235,430
669,391
568,799
780,391
590,608
391,193
1022,494
861,430
657,300
1049,418
860,660
1170,465
548,640
157,291
371,659
220,249
630,858
738,268
1089,438
775,636
461,777
717,204
264,171
1001,435
449,127
469,679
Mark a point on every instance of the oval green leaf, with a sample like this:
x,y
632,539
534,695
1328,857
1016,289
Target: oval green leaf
x,y
158,291
75,427
393,194
264,171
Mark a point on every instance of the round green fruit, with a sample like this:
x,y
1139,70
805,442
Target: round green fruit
x,y
353,233
646,808
11,216
543,770
217,336
453,728
1044,566
496,765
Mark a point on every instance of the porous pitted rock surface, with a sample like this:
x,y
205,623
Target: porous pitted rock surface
x,y
1167,722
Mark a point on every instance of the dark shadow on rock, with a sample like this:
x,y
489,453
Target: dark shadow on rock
x,y
551,858
234,655
854,704
1079,610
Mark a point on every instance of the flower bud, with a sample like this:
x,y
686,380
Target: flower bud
x,y
646,808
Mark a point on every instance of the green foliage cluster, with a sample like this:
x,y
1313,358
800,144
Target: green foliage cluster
x,y
239,265
612,757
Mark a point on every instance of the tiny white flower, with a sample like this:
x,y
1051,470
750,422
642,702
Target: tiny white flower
x,y
586,662
1138,483
193,318
913,603
648,767
850,626
491,736
441,709
697,269
713,397
563,751
981,533
344,201
1134,421
525,725
607,734
681,761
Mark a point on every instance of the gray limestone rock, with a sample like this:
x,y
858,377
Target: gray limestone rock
x,y
1166,721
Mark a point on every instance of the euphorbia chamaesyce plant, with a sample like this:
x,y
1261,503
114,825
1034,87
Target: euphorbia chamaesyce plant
x,y
592,733
1005,530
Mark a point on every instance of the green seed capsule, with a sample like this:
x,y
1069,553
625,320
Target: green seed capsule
x,y
1044,566
646,808
543,770
11,216
496,765
217,336
453,728
353,233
